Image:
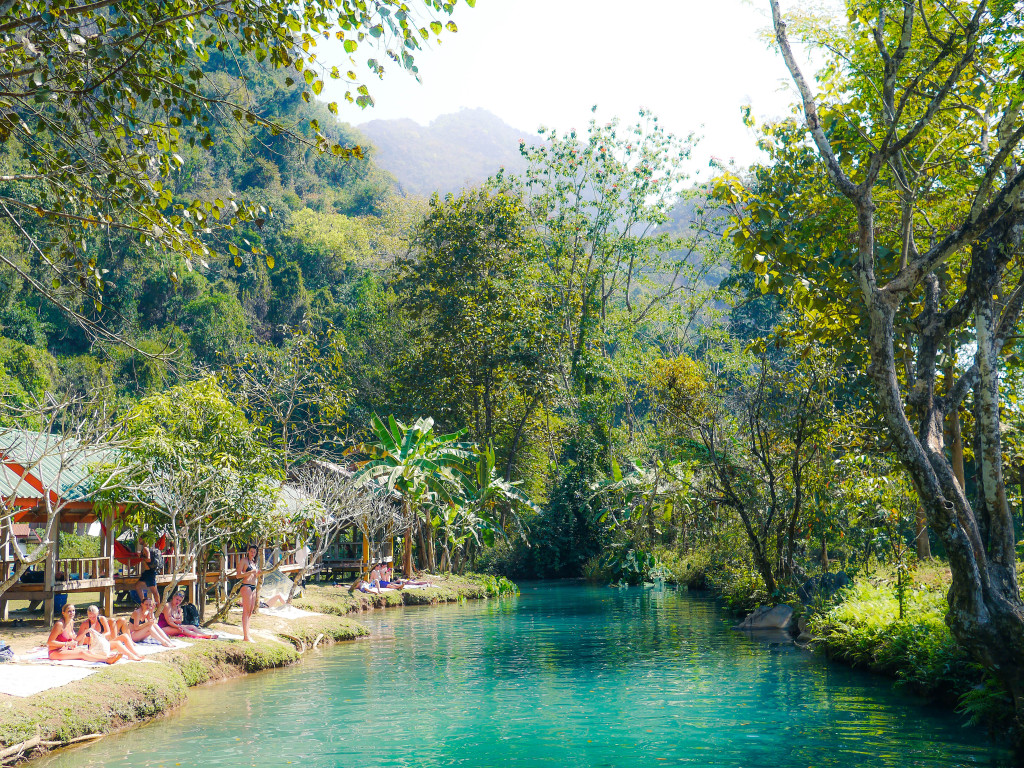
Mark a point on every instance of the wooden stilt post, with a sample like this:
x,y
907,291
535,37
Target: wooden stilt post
x,y
9,562
366,557
108,592
50,572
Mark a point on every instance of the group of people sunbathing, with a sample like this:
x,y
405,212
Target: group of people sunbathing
x,y
100,638
382,577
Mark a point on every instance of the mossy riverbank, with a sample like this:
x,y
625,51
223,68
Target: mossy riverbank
x,y
128,694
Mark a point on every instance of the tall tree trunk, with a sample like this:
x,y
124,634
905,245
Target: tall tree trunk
x,y
407,552
761,561
954,438
422,546
985,610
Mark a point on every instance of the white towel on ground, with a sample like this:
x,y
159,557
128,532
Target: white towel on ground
x,y
28,679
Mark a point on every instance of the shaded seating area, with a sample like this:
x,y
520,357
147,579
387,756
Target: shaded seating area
x,y
59,575
44,488
41,485
353,554
44,484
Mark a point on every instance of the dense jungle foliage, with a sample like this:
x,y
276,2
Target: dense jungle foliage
x,y
631,376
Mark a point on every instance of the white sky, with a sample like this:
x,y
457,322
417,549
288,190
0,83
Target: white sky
x,y
546,62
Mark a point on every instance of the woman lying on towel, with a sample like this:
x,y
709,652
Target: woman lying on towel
x,y
394,583
142,624
172,616
61,645
97,633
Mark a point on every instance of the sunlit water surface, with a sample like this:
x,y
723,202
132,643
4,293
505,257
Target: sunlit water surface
x,y
560,676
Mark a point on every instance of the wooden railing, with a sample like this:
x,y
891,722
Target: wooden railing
x,y
83,568
343,551
288,557
173,564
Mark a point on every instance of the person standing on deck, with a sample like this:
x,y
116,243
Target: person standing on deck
x,y
153,563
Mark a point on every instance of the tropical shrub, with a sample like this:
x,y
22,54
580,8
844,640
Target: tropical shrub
x,y
740,587
629,564
689,570
864,629
496,586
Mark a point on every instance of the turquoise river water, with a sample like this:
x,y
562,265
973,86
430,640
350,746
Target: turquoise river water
x,y
560,676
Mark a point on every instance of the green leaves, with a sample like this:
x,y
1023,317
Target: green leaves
x,y
109,117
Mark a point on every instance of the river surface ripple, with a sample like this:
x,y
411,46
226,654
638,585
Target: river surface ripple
x,y
563,675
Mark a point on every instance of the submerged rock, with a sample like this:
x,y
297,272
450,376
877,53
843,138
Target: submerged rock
x,y
768,617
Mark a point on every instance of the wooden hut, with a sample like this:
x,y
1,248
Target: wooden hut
x,y
44,480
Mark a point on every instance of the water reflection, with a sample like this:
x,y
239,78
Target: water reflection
x,y
563,675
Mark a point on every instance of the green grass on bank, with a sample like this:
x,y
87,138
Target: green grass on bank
x,y
339,601
864,629
123,695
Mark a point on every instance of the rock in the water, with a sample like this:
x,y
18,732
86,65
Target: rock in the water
x,y
768,617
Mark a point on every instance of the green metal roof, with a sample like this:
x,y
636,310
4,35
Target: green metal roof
x,y
61,464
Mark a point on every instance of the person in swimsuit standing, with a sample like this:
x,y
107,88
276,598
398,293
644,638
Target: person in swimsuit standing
x,y
248,571
62,645
154,567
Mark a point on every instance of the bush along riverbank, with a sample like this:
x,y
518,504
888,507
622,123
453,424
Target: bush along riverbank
x,y
860,622
127,694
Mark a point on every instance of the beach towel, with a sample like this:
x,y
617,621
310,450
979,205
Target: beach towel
x,y
28,679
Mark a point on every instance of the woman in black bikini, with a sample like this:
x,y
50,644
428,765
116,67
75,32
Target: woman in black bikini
x,y
248,571
97,624
143,624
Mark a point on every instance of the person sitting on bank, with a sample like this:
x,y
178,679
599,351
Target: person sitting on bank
x,y
96,626
385,577
143,624
171,618
153,562
62,644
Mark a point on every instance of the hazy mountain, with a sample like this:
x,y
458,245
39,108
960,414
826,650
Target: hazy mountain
x,y
454,151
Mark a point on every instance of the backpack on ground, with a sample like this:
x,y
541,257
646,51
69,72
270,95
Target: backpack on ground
x,y
189,614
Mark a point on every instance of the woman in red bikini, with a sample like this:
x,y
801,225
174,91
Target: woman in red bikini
x,y
62,645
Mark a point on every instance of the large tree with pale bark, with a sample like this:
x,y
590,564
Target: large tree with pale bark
x,y
892,216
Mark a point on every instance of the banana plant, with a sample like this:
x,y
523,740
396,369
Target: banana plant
x,y
414,462
494,501
633,497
